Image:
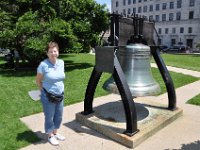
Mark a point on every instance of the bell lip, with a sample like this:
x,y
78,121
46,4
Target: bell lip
x,y
136,91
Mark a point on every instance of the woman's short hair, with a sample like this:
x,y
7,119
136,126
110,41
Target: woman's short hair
x,y
52,45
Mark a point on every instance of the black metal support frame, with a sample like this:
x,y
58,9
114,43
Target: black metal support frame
x,y
119,78
114,29
127,99
166,77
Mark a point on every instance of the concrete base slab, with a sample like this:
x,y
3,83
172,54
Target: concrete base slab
x,y
109,119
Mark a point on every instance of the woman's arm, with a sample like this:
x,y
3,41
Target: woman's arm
x,y
39,78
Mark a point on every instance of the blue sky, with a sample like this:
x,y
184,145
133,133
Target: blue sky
x,y
107,2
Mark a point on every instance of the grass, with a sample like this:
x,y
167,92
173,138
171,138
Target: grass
x,y
15,102
190,62
195,100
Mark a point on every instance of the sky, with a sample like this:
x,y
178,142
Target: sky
x,y
107,2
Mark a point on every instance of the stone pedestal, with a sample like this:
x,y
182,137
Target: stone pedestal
x,y
109,119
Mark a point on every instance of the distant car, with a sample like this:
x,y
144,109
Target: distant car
x,y
4,51
163,48
1,50
178,48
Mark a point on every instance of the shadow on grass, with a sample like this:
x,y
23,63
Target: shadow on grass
x,y
12,72
72,66
25,70
2,58
30,137
196,55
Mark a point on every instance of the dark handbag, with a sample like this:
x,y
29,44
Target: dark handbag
x,y
54,98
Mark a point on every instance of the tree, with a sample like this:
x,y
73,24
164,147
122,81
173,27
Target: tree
x,y
28,25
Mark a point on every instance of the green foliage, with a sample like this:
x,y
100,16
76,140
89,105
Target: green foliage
x,y
5,20
7,35
27,25
34,47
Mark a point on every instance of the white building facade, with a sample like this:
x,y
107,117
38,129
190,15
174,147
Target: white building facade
x,y
176,21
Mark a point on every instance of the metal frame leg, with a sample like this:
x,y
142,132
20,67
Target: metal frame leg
x,y
166,77
127,99
89,94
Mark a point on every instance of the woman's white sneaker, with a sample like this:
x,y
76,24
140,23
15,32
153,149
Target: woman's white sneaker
x,y
53,140
59,137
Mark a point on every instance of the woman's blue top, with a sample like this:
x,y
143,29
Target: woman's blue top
x,y
53,75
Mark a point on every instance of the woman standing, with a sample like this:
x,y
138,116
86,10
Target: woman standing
x,y
50,77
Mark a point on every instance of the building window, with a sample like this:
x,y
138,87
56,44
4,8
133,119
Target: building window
x,y
166,30
116,12
171,16
192,2
159,41
145,9
164,6
179,3
134,10
181,30
129,11
134,1
178,16
151,8
139,1
157,7
129,2
139,9
173,30
145,0
151,18
145,18
173,42
124,2
163,17
171,5
159,31
124,12
157,18
190,30
191,14
117,4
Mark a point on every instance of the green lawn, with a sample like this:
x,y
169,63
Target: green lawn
x,y
191,62
195,100
15,102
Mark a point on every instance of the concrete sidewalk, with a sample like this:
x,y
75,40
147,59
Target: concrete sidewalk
x,y
183,133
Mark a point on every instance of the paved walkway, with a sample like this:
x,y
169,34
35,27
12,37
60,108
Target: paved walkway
x,y
183,133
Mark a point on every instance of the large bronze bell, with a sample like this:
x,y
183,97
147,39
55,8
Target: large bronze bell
x,y
135,62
